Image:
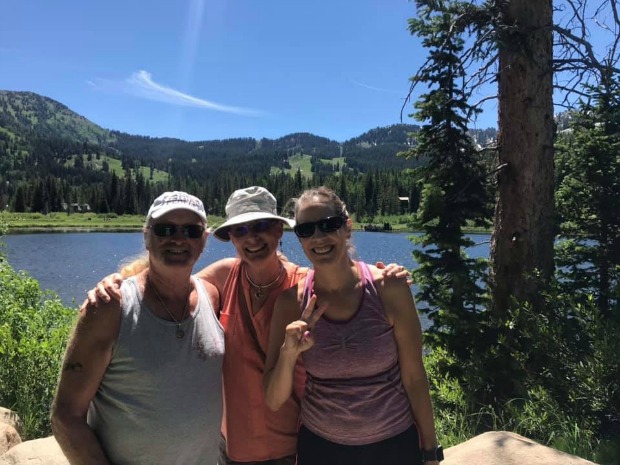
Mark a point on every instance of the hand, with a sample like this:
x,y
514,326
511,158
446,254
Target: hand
x,y
107,289
298,338
394,270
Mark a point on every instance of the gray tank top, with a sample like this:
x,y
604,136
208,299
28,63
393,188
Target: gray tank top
x,y
160,400
354,394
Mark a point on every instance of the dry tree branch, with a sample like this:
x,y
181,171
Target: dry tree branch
x,y
576,61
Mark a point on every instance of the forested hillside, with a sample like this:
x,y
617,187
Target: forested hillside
x,y
52,159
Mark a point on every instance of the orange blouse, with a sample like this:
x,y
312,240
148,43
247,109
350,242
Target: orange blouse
x,y
252,431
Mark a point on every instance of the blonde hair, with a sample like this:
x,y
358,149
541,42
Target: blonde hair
x,y
131,266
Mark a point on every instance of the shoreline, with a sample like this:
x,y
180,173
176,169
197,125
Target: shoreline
x,y
126,229
20,223
71,229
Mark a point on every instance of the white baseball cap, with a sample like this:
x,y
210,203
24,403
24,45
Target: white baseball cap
x,y
176,200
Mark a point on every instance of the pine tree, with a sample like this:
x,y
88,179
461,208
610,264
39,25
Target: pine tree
x,y
588,199
453,193
19,204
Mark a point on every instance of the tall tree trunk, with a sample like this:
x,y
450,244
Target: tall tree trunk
x,y
522,241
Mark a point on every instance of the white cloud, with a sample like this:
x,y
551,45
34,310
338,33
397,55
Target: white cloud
x,y
141,84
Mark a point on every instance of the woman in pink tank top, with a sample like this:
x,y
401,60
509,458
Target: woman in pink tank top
x,y
367,398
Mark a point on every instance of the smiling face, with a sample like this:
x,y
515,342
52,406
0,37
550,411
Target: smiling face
x,y
178,249
258,244
324,245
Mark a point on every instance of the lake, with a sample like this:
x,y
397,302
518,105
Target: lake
x,y
72,263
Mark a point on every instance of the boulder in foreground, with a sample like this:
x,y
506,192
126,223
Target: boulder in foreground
x,y
504,448
44,451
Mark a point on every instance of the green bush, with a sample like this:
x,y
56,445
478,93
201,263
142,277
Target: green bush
x,y
34,326
574,429
456,419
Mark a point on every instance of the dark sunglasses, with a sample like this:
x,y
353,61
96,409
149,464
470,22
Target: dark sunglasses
x,y
256,227
326,225
191,231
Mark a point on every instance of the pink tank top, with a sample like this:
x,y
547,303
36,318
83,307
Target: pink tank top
x,y
354,394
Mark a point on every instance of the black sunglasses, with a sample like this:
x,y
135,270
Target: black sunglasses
x,y
191,231
326,225
257,227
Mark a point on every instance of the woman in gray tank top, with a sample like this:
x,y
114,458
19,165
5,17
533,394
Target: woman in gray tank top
x,y
141,379
367,398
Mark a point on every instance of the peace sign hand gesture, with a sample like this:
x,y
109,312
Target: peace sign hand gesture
x,y
298,338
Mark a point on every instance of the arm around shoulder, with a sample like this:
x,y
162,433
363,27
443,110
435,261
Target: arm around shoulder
x,y
86,359
217,273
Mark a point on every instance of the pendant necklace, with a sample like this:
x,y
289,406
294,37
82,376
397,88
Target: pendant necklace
x,y
179,333
260,288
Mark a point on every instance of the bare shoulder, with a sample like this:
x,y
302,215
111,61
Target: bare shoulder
x,y
220,265
213,293
217,272
210,288
99,324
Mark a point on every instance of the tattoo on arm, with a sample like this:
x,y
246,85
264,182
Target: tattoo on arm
x,y
73,366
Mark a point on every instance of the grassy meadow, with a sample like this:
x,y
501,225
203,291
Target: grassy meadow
x,y
22,222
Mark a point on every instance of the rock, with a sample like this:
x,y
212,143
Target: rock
x,y
44,451
504,448
11,418
9,437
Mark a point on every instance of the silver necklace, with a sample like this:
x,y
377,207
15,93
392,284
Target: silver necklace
x,y
259,288
179,333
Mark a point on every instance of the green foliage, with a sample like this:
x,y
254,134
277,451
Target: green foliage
x,y
538,415
298,162
548,372
85,221
28,113
455,415
34,326
50,156
453,190
3,229
588,198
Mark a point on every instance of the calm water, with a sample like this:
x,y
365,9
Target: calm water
x,y
72,263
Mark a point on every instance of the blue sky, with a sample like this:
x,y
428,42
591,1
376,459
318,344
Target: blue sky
x,y
215,69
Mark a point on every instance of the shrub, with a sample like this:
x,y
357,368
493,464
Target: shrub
x,y
456,420
543,414
34,326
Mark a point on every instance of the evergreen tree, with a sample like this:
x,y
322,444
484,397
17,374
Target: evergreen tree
x,y
19,204
370,195
343,191
38,202
588,199
453,193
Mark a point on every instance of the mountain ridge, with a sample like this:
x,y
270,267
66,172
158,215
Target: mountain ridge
x,y
10,99
51,156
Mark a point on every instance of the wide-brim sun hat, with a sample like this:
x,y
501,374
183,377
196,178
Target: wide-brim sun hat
x,y
247,205
176,200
